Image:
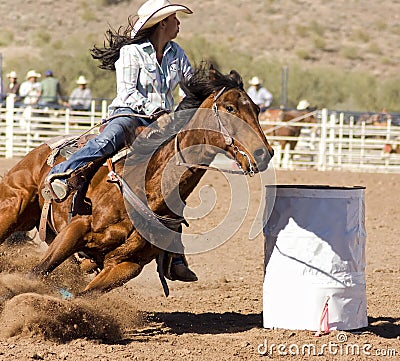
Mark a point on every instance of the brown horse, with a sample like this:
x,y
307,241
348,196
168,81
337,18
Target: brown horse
x,y
290,131
105,231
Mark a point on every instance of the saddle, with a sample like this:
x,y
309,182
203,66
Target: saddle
x,y
79,180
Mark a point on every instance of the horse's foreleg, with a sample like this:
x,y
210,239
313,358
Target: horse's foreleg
x,y
121,264
113,276
70,240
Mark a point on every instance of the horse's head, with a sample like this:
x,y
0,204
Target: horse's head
x,y
236,117
216,115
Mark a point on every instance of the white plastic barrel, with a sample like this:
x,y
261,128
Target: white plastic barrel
x,y
315,253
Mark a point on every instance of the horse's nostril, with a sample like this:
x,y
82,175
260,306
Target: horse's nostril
x,y
261,154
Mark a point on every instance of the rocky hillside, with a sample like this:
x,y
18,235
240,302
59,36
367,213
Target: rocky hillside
x,y
351,35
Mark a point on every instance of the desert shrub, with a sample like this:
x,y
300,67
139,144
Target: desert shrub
x,y
41,38
302,30
361,35
6,37
303,54
350,52
374,48
386,60
381,25
388,94
87,13
319,43
317,28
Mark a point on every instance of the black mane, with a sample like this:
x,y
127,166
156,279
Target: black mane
x,y
204,82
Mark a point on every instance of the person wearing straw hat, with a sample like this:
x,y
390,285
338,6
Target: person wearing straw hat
x,y
259,94
13,84
30,89
81,97
303,105
149,66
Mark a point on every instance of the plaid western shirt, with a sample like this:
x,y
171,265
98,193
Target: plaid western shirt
x,y
145,85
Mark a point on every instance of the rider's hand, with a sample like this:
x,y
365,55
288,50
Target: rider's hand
x,y
163,121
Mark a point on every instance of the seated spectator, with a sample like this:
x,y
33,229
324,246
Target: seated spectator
x,y
81,97
30,89
50,91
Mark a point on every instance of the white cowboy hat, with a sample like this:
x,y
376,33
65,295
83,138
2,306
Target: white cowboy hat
x,y
12,74
32,74
81,80
153,11
255,81
303,104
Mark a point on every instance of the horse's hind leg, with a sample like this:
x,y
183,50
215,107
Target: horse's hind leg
x,y
19,211
19,201
70,240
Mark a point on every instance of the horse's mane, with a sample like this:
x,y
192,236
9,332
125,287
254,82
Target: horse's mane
x,y
204,81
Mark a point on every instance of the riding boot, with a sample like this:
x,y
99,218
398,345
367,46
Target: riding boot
x,y
180,271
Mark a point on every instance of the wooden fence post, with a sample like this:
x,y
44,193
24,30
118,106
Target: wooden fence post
x,y
9,125
322,142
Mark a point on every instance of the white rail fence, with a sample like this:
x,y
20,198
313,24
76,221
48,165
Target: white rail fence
x,y
23,129
338,143
334,142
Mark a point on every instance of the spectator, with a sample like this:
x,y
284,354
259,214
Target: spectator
x,y
30,89
50,91
258,94
303,105
13,85
81,97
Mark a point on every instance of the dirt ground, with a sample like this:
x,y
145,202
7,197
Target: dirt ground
x,y
218,317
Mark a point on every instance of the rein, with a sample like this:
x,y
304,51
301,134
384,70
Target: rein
x,y
229,141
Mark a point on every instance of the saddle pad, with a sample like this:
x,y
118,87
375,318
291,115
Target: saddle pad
x,y
69,149
57,142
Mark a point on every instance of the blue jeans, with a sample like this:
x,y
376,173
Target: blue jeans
x,y
118,133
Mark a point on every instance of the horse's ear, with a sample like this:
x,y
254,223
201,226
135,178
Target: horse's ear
x,y
213,73
234,75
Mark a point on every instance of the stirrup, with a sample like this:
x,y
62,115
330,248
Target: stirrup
x,y
55,188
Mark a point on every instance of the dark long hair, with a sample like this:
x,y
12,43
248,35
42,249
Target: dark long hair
x,y
115,39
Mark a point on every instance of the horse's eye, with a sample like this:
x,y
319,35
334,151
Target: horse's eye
x,y
230,109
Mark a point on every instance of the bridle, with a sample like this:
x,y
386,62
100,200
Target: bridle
x,y
229,141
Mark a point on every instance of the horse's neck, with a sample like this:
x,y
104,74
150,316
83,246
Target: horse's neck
x,y
167,181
